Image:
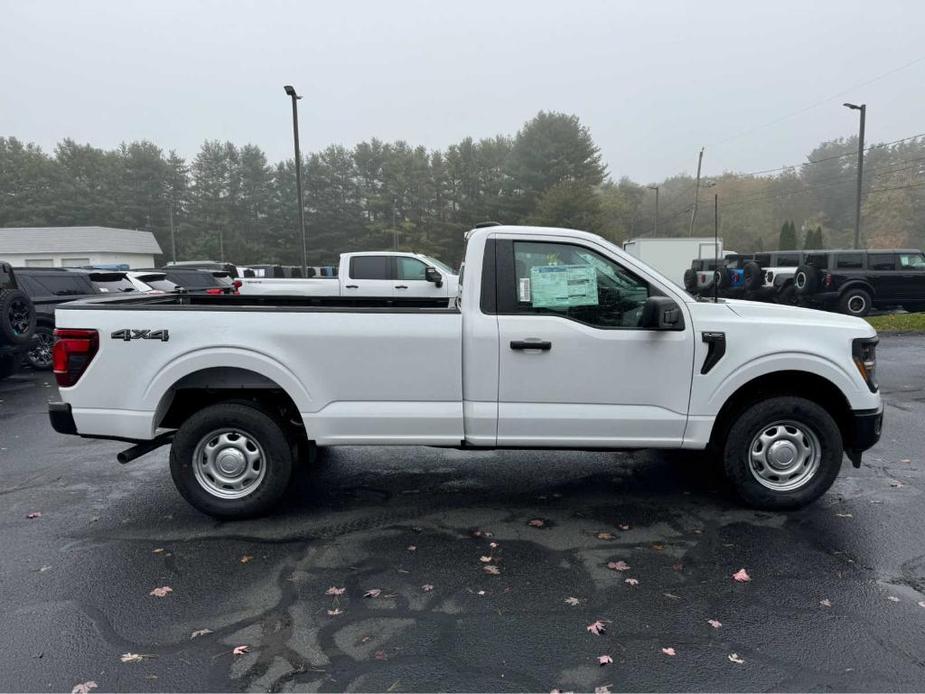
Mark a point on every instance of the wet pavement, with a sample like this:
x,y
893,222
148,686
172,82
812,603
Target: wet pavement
x,y
832,603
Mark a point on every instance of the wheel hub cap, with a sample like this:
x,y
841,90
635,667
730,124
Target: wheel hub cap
x,y
785,455
229,463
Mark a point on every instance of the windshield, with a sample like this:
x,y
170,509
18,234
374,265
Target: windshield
x,y
112,282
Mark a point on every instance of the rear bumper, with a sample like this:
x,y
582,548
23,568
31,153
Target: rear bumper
x,y
62,419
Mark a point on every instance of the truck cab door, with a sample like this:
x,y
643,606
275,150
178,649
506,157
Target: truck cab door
x,y
411,282
575,368
368,275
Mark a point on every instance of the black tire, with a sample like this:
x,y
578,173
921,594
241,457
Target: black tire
x,y
720,279
762,417
753,276
806,280
855,302
38,354
17,317
252,426
787,295
690,280
7,365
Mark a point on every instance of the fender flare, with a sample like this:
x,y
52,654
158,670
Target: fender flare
x,y
857,284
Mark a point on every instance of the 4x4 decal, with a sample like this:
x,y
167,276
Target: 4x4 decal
x,y
128,335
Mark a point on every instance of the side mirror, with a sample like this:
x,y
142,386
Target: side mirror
x,y
431,275
661,313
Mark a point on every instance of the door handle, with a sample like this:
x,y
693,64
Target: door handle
x,y
401,286
351,286
544,345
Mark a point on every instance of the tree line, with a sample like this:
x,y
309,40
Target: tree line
x,y
229,202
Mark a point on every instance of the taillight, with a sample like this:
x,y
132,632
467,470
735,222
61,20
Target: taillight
x,y
237,284
72,354
215,290
826,279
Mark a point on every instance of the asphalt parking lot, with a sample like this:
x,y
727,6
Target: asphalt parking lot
x,y
836,599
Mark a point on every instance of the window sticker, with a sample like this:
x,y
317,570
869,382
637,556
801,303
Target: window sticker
x,y
562,286
523,290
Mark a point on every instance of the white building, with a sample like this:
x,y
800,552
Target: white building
x,y
77,246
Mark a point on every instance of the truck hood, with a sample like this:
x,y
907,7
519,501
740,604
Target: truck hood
x,y
798,316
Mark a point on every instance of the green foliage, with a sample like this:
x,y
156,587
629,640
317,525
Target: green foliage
x,y
788,237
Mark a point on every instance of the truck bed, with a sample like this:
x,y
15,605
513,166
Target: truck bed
x,y
257,302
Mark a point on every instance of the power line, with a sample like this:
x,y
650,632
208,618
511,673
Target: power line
x,y
818,103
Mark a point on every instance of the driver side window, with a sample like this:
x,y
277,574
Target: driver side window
x,y
575,282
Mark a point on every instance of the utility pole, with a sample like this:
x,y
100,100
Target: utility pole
x,y
857,209
394,228
655,188
290,90
173,238
696,193
221,244
716,247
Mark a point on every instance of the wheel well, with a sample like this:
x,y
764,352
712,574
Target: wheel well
x,y
225,384
857,285
797,383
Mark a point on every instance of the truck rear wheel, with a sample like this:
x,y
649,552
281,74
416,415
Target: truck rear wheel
x,y
231,461
783,452
855,302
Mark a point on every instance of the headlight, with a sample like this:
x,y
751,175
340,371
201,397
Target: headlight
x,y
864,353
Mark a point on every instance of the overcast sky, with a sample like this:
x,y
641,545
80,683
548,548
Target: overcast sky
x,y
653,80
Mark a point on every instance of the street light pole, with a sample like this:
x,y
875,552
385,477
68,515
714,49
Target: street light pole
x,y
696,193
857,210
290,90
655,188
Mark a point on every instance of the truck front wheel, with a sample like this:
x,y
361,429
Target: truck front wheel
x,y
782,453
231,461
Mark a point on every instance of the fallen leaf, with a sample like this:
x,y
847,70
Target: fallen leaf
x,y
34,514
892,598
379,655
604,660
412,548
658,547
572,601
677,567
672,596
605,536
905,460
741,576
669,651
84,687
241,650
481,533
896,484
45,568
161,592
131,658
597,627
734,657
200,632
844,515
481,592
618,566
603,689
485,560
491,569
537,523
335,591
246,558
715,623
158,550
493,545
624,527
372,593
336,611
427,587
825,602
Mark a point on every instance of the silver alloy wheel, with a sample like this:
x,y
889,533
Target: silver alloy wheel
x,y
857,304
39,354
229,463
785,455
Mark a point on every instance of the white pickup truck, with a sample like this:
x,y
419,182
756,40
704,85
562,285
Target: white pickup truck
x,y
559,339
391,274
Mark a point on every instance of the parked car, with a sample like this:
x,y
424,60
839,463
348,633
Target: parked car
x,y
151,281
196,281
856,281
48,288
17,321
561,340
222,266
392,274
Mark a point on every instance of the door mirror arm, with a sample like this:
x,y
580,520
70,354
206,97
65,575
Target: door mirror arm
x,y
661,313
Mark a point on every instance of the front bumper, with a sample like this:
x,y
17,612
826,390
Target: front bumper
x,y
864,432
62,420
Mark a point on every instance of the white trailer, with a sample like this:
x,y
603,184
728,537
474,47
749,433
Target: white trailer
x,y
672,256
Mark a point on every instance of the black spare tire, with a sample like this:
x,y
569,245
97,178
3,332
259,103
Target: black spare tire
x,y
690,280
806,279
754,277
17,317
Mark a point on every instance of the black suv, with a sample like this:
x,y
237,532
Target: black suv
x,y
17,321
854,282
49,287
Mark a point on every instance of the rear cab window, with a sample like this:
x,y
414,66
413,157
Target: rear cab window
x,y
112,282
370,267
849,261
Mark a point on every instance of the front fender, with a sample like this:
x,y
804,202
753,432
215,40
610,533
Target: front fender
x,y
849,383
